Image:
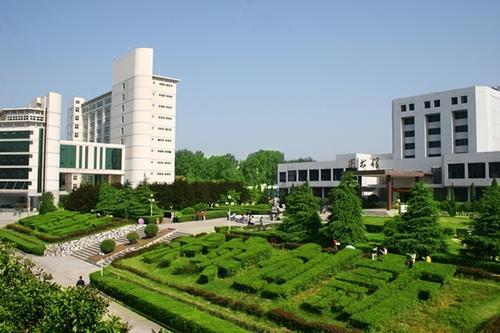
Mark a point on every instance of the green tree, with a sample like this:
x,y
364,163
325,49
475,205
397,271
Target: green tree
x,y
83,199
345,224
192,165
301,159
417,230
30,303
452,203
111,201
47,204
261,167
302,220
224,167
484,240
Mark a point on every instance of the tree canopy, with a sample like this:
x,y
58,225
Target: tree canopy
x,y
261,167
302,220
345,224
417,230
47,203
484,240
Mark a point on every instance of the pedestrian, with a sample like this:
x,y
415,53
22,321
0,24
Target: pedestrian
x,y
261,224
428,259
384,251
374,253
229,215
172,217
336,244
80,282
204,215
198,214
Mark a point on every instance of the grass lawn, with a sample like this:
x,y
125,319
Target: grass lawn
x,y
32,233
252,286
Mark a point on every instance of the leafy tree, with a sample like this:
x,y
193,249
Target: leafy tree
x,y
345,224
302,220
452,203
224,167
192,165
261,167
30,303
111,200
484,240
47,204
417,230
301,159
83,199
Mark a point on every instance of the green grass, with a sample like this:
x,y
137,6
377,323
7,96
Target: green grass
x,y
23,242
333,291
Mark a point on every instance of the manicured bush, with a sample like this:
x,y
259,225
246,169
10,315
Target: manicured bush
x,y
151,230
297,323
191,250
490,266
107,245
23,242
306,251
188,211
434,272
227,268
132,237
249,283
221,229
182,265
477,273
208,274
254,255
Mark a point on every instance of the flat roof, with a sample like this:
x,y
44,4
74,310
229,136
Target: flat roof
x,y
391,172
166,78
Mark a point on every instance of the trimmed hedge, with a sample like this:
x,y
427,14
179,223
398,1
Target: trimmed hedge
x,y
208,274
433,272
254,255
182,265
132,237
175,314
490,266
227,268
107,246
191,250
249,283
23,242
306,252
151,230
294,322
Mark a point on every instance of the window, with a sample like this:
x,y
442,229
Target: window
x,y
14,159
282,177
123,85
403,107
411,106
15,147
302,175
76,135
123,97
121,141
476,170
461,142
75,177
454,100
292,175
437,175
433,131
433,118
409,134
337,174
494,169
461,128
313,175
409,156
77,117
326,174
437,103
77,109
427,104
461,114
77,126
77,102
123,108
435,155
408,121
463,99
456,171
410,145
123,119
121,130
434,144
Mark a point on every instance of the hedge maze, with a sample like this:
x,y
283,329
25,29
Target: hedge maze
x,y
32,233
247,284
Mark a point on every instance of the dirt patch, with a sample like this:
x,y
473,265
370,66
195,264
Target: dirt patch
x,y
140,242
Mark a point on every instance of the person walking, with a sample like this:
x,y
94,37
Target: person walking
x,y
198,215
80,282
204,215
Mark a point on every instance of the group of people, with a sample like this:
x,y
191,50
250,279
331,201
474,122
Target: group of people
x,y
201,215
376,251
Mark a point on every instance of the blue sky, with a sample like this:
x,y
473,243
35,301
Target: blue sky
x,y
309,78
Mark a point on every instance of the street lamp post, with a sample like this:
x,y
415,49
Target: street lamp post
x,y
151,201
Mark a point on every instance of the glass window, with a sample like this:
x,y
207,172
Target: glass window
x,y
337,174
437,103
292,175
326,174
432,118
463,99
113,158
434,144
282,177
410,145
461,142
454,100
461,128
408,121
409,156
411,106
456,171
14,159
313,175
15,146
409,134
433,131
14,173
494,169
476,170
427,104
461,114
302,175
15,134
403,107
437,175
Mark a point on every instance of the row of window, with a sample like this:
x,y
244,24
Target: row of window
x,y
15,134
163,95
15,159
21,173
162,151
436,103
163,106
22,185
163,117
474,170
314,175
163,129
23,117
163,140
165,84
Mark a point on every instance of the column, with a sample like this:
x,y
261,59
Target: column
x,y
388,182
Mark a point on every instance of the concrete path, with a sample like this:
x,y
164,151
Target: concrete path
x,y
196,227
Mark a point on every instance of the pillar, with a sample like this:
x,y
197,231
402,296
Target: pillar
x,y
388,182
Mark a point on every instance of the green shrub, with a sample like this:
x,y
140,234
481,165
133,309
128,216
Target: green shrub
x,y
182,265
434,272
208,274
23,242
191,250
254,255
151,230
47,203
490,266
132,237
107,245
188,211
306,251
249,283
221,229
227,268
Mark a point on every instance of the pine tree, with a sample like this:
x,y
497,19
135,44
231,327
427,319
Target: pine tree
x,y
484,240
111,201
47,203
345,223
302,220
417,230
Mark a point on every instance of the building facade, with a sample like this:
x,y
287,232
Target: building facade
x,y
124,135
449,139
